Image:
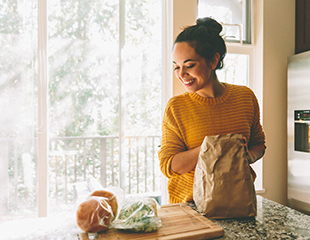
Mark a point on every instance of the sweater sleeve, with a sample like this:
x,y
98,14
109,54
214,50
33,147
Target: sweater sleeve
x,y
257,136
171,142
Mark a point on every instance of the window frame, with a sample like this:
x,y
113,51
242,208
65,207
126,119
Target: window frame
x,y
167,81
168,10
42,110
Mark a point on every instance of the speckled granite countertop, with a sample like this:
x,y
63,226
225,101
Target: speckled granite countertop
x,y
273,221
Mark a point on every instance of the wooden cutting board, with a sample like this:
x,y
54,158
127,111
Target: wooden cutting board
x,y
179,221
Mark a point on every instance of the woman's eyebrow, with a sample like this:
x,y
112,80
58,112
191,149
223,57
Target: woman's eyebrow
x,y
187,60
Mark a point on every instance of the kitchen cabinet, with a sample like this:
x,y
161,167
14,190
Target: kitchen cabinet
x,y
302,31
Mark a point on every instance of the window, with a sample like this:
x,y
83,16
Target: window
x,y
18,101
235,70
236,17
102,114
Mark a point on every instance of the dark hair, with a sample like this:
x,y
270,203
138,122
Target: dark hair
x,y
205,38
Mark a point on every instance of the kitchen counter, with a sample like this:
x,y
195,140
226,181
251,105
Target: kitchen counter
x,y
273,221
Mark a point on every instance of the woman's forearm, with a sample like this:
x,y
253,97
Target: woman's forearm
x,y
256,153
184,162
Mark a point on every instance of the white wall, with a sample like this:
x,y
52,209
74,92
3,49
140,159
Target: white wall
x,y
274,42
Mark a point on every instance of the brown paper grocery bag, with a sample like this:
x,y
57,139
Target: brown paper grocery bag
x,y
223,183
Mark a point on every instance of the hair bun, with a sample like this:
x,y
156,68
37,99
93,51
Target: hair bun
x,y
210,24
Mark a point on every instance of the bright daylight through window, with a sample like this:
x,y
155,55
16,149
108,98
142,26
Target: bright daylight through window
x,y
104,92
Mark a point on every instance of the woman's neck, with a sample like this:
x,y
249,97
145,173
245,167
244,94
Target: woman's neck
x,y
214,89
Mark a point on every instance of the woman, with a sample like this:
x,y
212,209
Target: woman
x,y
209,107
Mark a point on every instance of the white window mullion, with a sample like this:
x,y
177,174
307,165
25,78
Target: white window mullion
x,y
167,75
121,94
42,110
255,85
167,43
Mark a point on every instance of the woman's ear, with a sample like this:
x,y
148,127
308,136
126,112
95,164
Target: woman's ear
x,y
215,60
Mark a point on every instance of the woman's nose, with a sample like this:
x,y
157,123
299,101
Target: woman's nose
x,y
182,72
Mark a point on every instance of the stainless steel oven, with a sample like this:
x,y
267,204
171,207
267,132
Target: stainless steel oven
x,y
298,132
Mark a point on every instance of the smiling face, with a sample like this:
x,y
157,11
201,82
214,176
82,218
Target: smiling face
x,y
192,70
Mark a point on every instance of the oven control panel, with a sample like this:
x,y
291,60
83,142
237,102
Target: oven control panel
x,y
302,115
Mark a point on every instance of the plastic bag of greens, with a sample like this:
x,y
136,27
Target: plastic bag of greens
x,y
138,215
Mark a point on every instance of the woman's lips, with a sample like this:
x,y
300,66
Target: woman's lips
x,y
188,82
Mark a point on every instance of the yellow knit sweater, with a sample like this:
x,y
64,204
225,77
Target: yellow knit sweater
x,y
189,118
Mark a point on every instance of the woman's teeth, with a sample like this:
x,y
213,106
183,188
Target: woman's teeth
x,y
188,82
